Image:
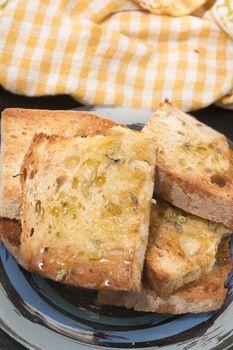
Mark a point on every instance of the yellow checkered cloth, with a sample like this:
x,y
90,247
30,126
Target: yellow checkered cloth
x,y
132,53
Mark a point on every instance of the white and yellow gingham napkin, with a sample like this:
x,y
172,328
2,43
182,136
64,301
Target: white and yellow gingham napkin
x,y
130,53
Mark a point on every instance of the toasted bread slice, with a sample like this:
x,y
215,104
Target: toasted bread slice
x,y
181,248
18,127
206,294
85,208
194,171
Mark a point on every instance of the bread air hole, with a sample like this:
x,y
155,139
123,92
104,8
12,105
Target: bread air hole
x,y
218,180
31,175
25,174
32,232
61,180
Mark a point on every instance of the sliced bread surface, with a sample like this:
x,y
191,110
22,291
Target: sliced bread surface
x,y
18,127
206,294
85,208
194,170
182,247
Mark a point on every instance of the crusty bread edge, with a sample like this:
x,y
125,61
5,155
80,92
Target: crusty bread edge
x,y
193,197
147,301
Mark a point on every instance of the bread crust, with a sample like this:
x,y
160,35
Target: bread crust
x,y
196,195
10,233
18,127
10,230
206,294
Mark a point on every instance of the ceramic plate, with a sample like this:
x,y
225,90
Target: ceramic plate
x,y
41,314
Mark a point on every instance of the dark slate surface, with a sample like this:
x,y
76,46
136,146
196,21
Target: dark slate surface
x,y
216,117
